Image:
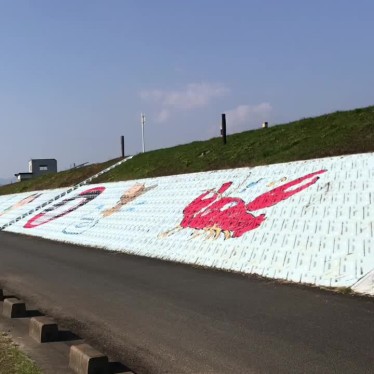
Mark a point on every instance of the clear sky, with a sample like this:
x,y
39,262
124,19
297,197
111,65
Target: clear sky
x,y
76,74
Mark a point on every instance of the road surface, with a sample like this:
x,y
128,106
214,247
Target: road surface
x,y
159,317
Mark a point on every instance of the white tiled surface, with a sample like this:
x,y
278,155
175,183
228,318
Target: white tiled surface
x,y
323,235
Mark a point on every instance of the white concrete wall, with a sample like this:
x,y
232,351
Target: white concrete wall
x,y
309,221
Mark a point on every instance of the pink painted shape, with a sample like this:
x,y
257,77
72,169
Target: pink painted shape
x,y
281,193
231,213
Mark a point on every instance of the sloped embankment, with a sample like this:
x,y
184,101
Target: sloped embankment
x,y
308,221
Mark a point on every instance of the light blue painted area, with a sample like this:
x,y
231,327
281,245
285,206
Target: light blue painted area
x,y
321,235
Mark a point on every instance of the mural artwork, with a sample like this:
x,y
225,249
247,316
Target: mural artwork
x,y
23,202
309,221
214,214
90,220
64,207
127,197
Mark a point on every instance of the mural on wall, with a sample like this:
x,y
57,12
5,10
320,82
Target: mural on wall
x,y
127,197
300,229
64,207
90,220
252,184
271,184
23,202
214,214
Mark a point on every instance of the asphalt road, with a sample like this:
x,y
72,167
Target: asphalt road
x,y
159,317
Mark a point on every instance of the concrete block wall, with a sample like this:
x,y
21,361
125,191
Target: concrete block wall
x,y
309,221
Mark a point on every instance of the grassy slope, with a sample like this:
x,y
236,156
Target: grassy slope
x,y
12,361
328,135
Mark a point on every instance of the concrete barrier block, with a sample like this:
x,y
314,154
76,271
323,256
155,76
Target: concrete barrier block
x,y
43,329
14,308
84,359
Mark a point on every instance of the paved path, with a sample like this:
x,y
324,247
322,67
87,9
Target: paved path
x,y
159,317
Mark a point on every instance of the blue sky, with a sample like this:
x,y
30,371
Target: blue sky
x,y
76,74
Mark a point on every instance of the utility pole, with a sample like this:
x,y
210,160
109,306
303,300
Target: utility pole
x,y
142,118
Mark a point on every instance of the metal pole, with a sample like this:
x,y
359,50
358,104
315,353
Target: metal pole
x,y
223,128
143,121
123,146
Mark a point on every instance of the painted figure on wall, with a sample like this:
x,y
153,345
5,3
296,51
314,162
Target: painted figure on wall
x,y
64,207
27,200
127,197
215,214
71,204
92,218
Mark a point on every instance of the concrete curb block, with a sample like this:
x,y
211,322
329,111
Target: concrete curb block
x,y
43,329
14,308
83,359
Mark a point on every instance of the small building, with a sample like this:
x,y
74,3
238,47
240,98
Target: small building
x,y
42,166
38,167
23,176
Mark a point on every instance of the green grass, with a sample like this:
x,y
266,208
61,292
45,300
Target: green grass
x,y
328,135
332,134
12,361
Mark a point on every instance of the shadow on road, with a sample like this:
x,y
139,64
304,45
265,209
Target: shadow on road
x,y
117,367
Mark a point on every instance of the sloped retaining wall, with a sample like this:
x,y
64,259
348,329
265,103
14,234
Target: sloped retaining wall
x,y
309,221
